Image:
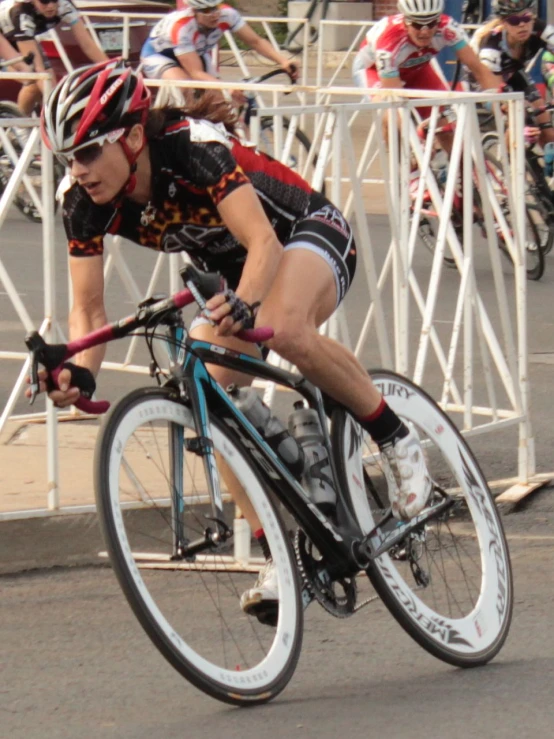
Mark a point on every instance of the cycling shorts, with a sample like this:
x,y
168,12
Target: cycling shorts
x,y
155,63
423,78
324,232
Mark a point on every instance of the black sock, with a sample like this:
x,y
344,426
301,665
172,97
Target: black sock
x,y
383,425
262,541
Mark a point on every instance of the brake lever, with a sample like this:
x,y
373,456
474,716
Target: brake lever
x,y
33,373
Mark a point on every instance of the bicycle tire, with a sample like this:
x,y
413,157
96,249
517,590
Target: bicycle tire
x,y
299,30
543,198
24,202
304,144
130,456
541,240
538,194
476,634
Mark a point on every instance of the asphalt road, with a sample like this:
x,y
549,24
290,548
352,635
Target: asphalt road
x,y
75,664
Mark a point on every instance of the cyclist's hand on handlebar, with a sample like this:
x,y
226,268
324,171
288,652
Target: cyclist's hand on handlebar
x,y
292,69
230,313
65,389
531,134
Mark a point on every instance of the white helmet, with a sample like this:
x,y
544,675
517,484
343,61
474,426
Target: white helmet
x,y
201,4
421,11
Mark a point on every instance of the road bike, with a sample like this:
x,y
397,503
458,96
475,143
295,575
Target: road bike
x,y
537,229
538,194
297,46
18,136
167,518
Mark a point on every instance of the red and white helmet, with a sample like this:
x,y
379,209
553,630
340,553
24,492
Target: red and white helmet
x,y
421,11
201,4
91,103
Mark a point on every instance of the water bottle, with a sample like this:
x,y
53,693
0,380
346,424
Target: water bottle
x,y
549,159
305,427
273,431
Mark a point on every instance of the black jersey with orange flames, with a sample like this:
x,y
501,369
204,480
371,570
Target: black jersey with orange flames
x,y
195,165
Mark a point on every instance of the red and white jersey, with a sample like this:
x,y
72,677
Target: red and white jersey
x,y
387,47
179,32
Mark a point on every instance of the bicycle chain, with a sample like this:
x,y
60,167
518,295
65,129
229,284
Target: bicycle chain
x,y
337,606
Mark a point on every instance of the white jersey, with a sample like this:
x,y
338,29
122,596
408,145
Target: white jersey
x,y
179,33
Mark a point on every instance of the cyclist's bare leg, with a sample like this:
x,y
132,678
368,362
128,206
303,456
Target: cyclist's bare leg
x,y
176,73
294,308
28,98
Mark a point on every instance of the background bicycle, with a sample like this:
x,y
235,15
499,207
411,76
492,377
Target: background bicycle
x,y
297,146
538,193
536,229
445,575
29,195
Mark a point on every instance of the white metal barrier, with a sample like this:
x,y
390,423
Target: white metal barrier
x,y
504,356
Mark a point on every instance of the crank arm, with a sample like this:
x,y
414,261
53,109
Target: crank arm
x,y
403,530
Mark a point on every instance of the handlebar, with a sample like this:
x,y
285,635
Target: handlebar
x,y
200,287
27,59
274,73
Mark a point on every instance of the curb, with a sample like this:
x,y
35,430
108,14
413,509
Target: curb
x,y
56,541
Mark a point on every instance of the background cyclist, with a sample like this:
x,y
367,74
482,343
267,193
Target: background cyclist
x,y
180,45
22,21
7,52
397,52
507,43
547,69
171,182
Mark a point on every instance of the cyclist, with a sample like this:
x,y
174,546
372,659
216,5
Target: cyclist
x,y
547,69
180,45
172,182
398,50
507,43
7,52
21,21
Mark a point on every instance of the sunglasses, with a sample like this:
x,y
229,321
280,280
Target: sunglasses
x,y
87,154
48,2
517,20
420,26
209,11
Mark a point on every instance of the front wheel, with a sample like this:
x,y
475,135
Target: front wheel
x,y
152,503
23,200
449,584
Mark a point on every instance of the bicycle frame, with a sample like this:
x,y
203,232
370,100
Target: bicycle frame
x,y
336,543
189,374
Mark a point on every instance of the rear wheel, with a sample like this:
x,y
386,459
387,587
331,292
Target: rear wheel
x,y
538,234
449,582
152,502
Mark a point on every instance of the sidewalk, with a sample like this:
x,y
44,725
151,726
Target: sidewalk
x,y
34,540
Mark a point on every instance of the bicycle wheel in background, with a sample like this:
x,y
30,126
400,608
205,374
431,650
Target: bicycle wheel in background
x,y
538,197
298,155
18,137
539,233
190,609
449,584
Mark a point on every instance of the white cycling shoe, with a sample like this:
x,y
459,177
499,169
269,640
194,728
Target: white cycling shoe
x,y
262,600
407,476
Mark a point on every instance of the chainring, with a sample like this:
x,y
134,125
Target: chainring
x,y
337,597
